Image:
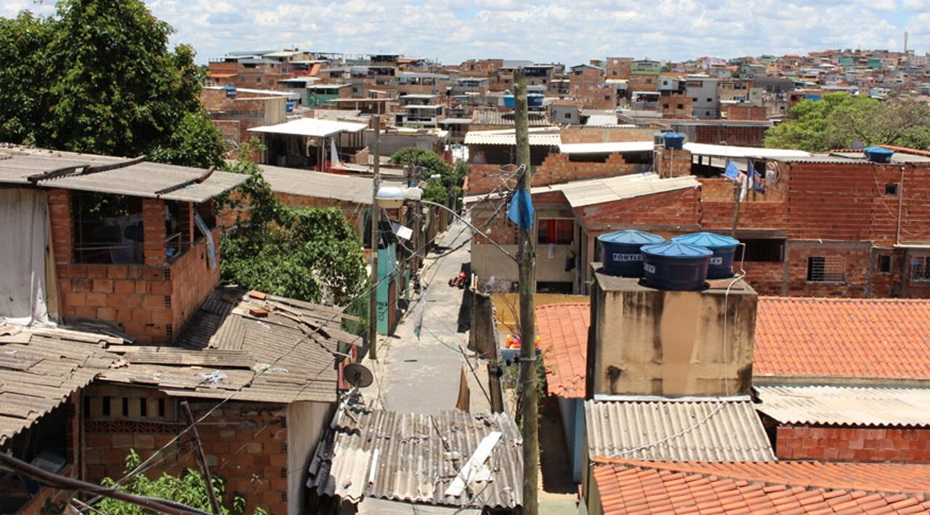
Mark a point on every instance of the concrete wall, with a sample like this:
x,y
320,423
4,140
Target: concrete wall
x,y
670,343
304,429
853,444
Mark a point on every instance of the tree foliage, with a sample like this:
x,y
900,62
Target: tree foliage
x,y
188,488
98,77
310,254
443,181
841,120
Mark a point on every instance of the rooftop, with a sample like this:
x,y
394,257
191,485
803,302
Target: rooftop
x,y
41,367
769,488
563,333
417,458
311,128
880,340
611,189
115,175
664,429
846,405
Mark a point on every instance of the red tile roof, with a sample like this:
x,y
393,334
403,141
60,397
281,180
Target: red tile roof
x,y
842,338
563,336
628,486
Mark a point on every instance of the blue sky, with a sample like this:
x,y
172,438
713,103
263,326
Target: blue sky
x,y
564,31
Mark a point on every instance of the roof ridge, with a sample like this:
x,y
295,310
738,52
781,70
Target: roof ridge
x,y
813,482
834,300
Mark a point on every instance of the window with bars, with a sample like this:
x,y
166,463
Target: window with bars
x,y
826,268
763,250
920,268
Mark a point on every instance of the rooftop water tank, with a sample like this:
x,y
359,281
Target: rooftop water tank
x,y
674,141
878,154
620,251
675,266
534,100
723,247
508,101
230,91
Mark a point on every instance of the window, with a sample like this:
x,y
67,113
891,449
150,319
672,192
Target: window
x,y
920,268
568,116
884,264
891,189
826,268
681,106
763,250
560,231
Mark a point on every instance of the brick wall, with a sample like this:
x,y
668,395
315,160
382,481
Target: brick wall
x,y
680,207
746,136
150,301
245,444
858,444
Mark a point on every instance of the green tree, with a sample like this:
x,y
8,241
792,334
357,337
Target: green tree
x,y
188,488
98,77
309,254
443,181
840,120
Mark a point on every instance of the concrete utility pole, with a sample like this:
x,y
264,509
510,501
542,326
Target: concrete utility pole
x,y
375,216
526,257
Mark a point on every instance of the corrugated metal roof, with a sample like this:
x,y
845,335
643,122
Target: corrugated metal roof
x,y
415,458
612,189
846,405
549,137
264,350
534,119
127,177
318,184
742,152
311,128
606,148
40,368
677,430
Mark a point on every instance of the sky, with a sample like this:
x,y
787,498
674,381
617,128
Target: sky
x,y
545,31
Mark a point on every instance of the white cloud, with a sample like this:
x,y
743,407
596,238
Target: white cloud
x,y
566,31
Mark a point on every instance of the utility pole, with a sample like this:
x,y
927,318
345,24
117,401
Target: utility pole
x,y
526,257
375,217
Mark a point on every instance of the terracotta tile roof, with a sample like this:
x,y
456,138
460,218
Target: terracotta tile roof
x,y
842,338
563,336
627,486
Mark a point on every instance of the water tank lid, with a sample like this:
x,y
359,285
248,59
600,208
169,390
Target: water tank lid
x,y
630,236
674,135
707,239
878,153
674,249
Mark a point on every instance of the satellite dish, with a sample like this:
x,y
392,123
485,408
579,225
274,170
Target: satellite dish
x,y
357,374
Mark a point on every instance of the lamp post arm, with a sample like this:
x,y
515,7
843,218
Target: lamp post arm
x,y
470,226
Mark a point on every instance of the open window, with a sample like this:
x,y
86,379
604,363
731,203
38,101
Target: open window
x,y
826,268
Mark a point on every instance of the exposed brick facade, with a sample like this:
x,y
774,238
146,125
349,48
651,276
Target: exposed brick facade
x,y
151,301
854,444
245,444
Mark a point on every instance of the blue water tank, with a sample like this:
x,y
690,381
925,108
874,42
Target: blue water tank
x,y
674,141
723,247
675,266
230,91
878,154
534,100
508,101
620,251
289,107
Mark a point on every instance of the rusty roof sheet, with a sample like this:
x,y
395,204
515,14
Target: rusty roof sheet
x,y
415,458
879,340
248,347
114,175
563,335
724,429
846,405
41,368
627,486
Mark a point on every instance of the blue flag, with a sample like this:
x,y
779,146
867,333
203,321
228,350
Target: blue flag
x,y
732,171
520,211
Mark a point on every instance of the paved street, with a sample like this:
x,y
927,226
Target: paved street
x,y
421,374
